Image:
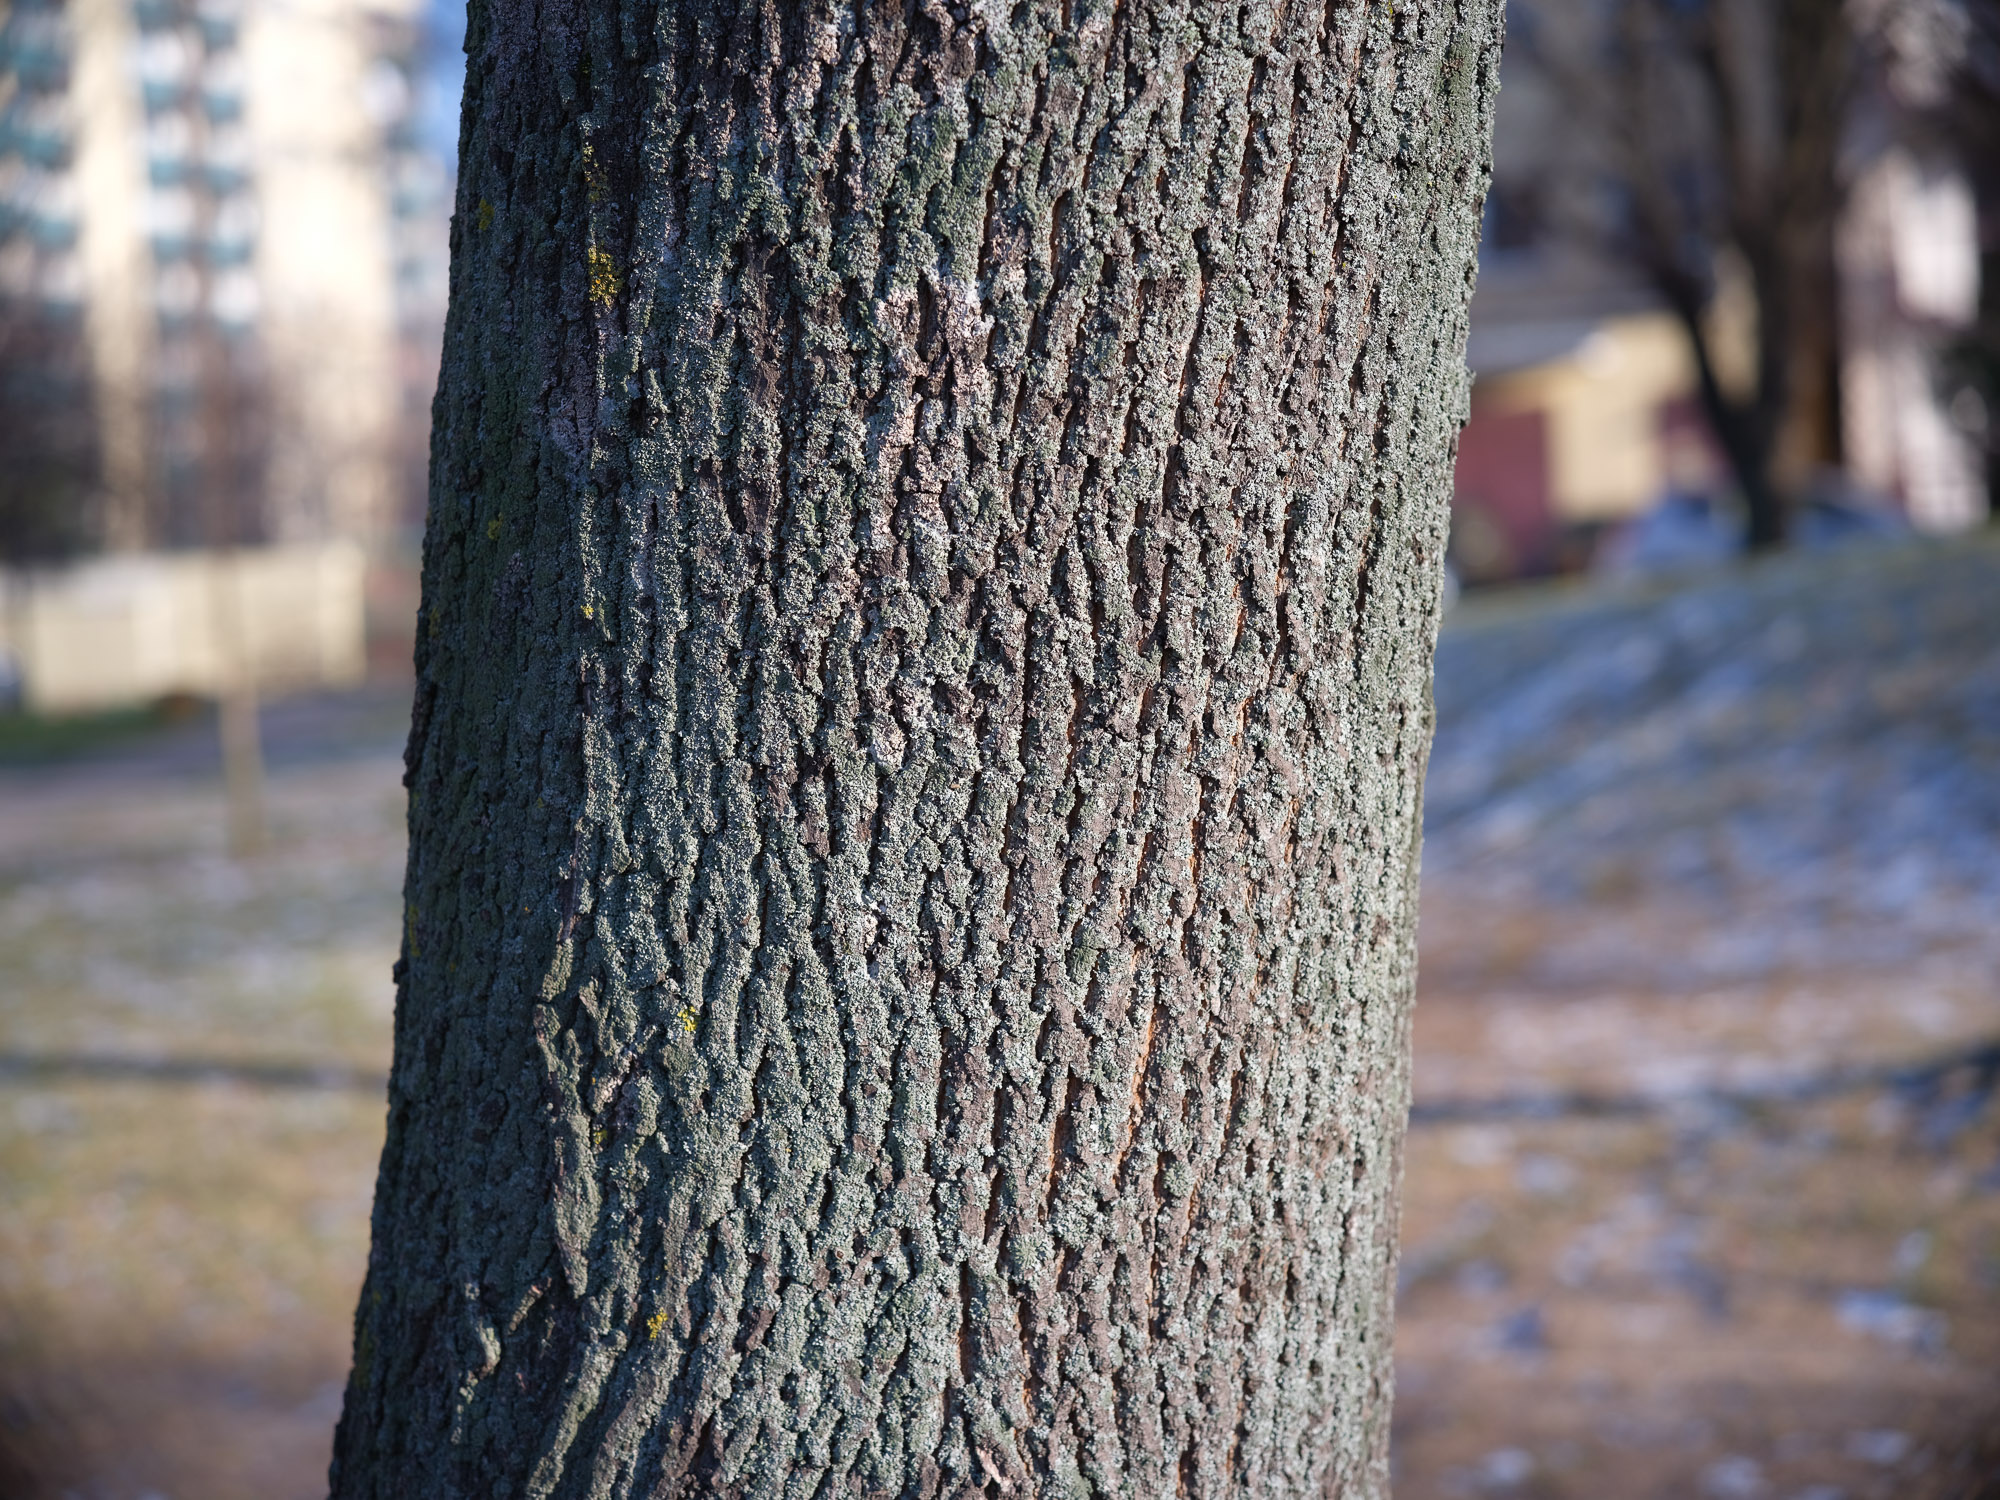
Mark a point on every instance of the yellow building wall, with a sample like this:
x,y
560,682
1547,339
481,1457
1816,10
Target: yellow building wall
x,y
1602,407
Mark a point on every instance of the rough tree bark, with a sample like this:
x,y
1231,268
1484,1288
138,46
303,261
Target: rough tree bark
x,y
923,690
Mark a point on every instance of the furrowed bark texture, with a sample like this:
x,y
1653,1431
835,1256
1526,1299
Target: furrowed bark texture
x,y
923,689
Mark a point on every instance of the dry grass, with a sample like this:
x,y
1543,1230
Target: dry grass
x,y
181,1241
1687,846
1698,1299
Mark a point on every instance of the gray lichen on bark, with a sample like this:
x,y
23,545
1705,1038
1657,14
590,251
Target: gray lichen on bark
x,y
923,687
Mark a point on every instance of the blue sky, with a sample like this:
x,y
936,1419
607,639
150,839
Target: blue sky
x,y
441,76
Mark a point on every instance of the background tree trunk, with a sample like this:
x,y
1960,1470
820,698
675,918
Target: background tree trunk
x,y
923,688
1699,132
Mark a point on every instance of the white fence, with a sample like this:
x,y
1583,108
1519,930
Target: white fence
x,y
128,629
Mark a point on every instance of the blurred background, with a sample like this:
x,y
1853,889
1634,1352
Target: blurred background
x,y
1704,1171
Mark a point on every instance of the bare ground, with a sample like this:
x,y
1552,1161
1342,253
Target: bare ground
x,y
1704,1182
191,1050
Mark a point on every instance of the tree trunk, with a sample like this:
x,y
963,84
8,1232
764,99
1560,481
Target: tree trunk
x,y
923,687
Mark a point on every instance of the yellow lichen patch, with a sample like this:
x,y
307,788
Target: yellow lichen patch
x,y
486,215
493,528
605,282
655,1323
598,1136
687,1019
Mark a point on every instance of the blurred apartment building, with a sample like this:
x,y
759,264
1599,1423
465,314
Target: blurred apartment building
x,y
222,272
1585,409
